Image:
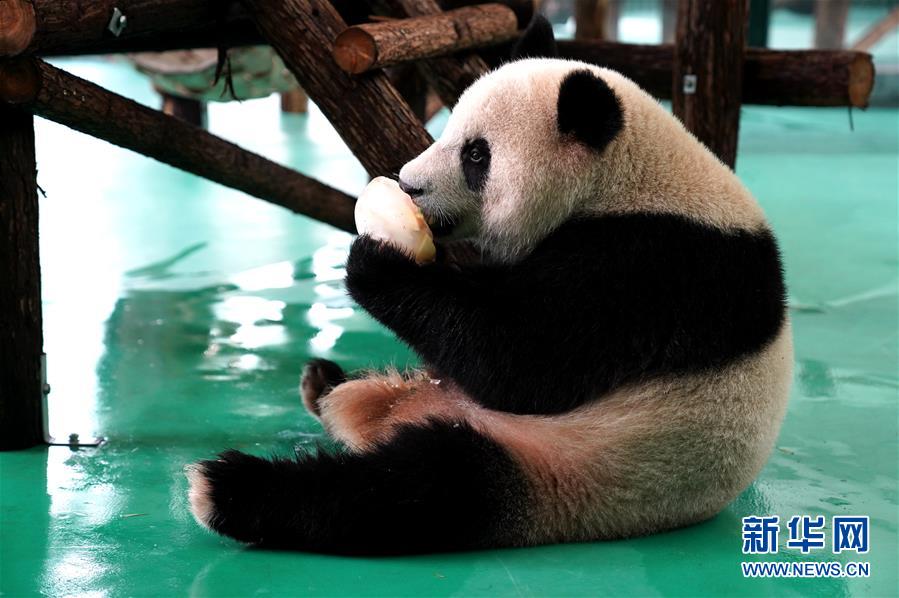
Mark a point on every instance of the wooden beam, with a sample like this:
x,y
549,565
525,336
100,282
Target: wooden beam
x,y
707,82
83,106
21,338
371,46
877,31
772,77
368,112
76,27
447,76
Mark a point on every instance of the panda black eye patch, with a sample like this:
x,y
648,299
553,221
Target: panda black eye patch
x,y
476,163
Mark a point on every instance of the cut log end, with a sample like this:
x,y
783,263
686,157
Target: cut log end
x,y
20,80
355,50
17,26
861,80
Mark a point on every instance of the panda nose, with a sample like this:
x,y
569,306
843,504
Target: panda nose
x,y
412,191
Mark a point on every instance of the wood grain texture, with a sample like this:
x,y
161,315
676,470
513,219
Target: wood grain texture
x,y
17,26
88,108
21,337
709,45
367,111
376,45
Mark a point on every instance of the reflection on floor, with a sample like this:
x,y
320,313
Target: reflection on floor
x,y
178,314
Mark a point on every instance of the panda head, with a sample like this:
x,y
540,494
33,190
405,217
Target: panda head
x,y
521,152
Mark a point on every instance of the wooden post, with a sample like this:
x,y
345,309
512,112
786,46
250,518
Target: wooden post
x,y
830,23
707,83
669,20
376,45
294,101
21,338
189,110
759,21
773,77
83,106
367,112
591,19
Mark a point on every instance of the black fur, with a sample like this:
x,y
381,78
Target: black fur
x,y
599,303
319,377
438,486
475,158
589,110
537,41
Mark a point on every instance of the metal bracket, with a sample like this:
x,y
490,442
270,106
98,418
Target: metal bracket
x,y
689,84
118,22
74,442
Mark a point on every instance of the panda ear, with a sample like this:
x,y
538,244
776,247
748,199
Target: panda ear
x,y
537,41
588,109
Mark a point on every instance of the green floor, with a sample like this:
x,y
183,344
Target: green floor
x,y
178,314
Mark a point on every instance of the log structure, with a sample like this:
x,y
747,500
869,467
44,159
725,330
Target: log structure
x,y
83,106
371,46
367,112
877,31
707,81
74,27
448,77
830,23
772,77
21,337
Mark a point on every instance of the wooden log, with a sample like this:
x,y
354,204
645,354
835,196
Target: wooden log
x,y
412,86
17,26
294,101
830,23
83,106
447,76
596,19
707,82
371,46
21,338
771,77
877,31
76,27
367,112
189,110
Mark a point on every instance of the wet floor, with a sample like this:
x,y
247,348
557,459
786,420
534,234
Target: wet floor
x,y
178,314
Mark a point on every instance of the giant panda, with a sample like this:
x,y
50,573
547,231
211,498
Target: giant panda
x,y
612,359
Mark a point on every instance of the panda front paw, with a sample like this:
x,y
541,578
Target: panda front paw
x,y
374,266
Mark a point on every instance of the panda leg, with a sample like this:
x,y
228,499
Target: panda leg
x,y
434,486
367,411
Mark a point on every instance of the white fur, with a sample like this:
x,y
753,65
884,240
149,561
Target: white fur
x,y
539,178
199,496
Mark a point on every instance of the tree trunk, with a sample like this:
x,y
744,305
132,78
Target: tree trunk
x,y
708,72
376,45
83,106
21,337
367,112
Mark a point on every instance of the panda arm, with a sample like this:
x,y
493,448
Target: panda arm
x,y
480,325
